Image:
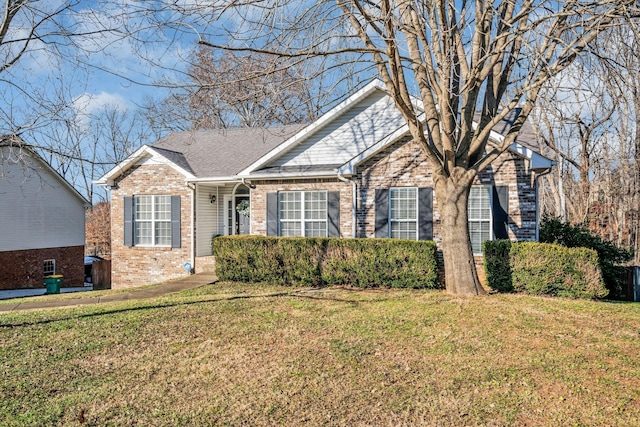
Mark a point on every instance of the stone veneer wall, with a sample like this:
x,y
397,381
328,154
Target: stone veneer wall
x,y
142,265
24,269
259,200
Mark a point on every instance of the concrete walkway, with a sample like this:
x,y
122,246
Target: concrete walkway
x,y
190,282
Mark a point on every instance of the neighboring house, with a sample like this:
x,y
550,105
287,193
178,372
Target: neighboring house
x,y
353,172
41,221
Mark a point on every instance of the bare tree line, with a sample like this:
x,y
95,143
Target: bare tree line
x,y
589,123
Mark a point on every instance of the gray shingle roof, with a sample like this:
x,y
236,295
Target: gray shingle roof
x,y
224,152
526,137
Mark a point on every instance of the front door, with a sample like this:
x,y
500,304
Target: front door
x,y
242,215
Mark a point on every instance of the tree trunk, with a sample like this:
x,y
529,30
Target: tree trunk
x,y
452,195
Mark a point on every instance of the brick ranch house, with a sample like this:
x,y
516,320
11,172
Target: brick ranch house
x,y
41,221
354,172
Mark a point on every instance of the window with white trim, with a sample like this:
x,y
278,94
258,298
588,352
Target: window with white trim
x,y
479,210
303,213
153,220
403,213
49,267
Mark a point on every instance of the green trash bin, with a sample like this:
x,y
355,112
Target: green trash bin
x,y
53,284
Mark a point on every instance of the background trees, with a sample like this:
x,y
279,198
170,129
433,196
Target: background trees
x,y
588,122
235,90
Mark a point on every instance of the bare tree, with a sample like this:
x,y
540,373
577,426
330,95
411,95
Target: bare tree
x,y
85,145
573,119
44,32
589,121
465,62
235,90
98,230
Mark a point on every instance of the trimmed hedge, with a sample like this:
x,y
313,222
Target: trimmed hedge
x,y
393,263
268,259
497,267
610,256
543,269
317,261
550,269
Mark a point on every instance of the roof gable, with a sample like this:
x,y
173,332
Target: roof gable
x,y
145,154
346,130
11,148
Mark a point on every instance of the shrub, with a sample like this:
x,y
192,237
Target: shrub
x,y
550,269
293,261
380,262
497,267
317,261
553,230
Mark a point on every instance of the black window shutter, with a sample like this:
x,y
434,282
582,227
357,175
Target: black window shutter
x,y
425,213
272,214
382,212
333,214
501,211
128,221
175,222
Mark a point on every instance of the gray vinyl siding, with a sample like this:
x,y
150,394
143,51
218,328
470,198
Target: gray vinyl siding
x,y
355,130
37,210
209,217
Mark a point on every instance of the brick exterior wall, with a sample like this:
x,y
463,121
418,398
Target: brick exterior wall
x,y
140,265
25,269
403,165
259,200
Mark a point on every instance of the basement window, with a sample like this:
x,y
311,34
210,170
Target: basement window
x,y
49,267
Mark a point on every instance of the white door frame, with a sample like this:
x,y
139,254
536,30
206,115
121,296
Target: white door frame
x,y
231,198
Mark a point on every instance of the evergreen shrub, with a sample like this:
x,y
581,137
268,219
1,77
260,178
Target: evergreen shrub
x,y
316,261
610,256
550,269
497,267
393,263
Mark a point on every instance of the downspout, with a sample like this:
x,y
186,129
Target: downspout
x,y
535,180
192,258
353,202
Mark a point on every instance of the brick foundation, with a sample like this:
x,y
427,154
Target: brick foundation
x,y
25,269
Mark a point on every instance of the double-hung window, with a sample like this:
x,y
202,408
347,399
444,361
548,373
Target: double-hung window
x,y
403,213
303,213
479,216
153,220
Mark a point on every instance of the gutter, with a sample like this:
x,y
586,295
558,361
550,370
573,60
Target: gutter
x,y
353,202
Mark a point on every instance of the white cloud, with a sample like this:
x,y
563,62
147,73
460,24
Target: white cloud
x,y
87,104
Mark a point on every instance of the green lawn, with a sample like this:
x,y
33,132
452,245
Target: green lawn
x,y
230,354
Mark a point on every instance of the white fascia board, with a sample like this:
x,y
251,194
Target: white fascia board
x,y
349,167
293,175
538,162
168,162
218,180
313,127
109,178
